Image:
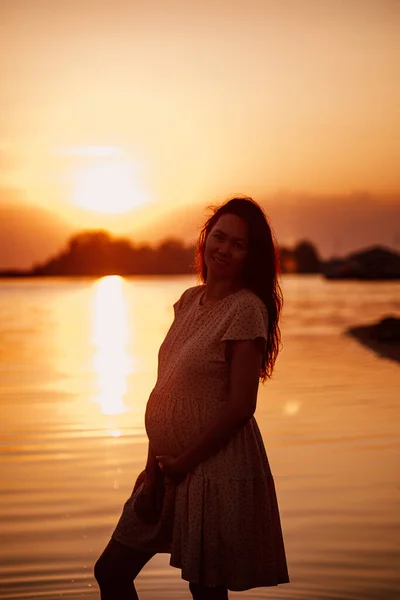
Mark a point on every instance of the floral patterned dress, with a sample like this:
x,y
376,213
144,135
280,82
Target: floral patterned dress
x,y
221,524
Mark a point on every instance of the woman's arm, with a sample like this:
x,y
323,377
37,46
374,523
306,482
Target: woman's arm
x,y
151,468
147,505
244,378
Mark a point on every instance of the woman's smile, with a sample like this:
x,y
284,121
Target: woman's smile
x,y
220,261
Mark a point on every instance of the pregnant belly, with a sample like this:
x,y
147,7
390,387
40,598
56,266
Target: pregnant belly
x,y
171,423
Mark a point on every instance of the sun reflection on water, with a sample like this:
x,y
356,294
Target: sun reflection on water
x,y
110,336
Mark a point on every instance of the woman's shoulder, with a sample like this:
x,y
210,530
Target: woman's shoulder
x,y
193,291
188,295
248,317
248,305
248,297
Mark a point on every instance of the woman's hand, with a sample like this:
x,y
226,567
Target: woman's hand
x,y
171,467
149,502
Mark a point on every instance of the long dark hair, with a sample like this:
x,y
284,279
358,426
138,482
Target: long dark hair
x,y
261,268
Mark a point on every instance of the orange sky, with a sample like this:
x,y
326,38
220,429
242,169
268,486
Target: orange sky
x,y
178,102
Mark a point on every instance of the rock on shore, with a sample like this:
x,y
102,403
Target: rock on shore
x,y
383,337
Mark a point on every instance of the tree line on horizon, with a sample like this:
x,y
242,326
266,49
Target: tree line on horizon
x,y
97,253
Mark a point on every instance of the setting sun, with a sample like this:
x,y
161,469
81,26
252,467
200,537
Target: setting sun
x,y
108,186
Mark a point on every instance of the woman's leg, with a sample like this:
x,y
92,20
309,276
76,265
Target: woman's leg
x,y
116,569
201,592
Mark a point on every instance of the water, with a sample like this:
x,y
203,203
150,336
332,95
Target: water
x,y
78,359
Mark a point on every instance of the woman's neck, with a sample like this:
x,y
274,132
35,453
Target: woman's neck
x,y
217,289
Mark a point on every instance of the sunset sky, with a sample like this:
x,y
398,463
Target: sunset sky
x,y
147,107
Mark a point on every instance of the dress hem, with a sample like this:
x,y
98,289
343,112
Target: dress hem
x,y
232,587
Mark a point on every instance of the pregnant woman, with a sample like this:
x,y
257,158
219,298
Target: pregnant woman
x,y
207,495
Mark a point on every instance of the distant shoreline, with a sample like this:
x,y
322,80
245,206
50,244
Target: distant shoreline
x,y
31,275
96,254
7,275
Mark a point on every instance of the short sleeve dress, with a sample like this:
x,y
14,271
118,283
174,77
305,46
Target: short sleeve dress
x,y
221,524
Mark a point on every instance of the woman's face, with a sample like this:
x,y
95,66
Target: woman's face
x,y
226,248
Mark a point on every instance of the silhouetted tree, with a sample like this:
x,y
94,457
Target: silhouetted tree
x,y
97,253
307,258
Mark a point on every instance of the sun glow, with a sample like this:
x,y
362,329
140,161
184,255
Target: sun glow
x,y
111,361
109,186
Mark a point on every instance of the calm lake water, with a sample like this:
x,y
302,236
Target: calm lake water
x,y
78,359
